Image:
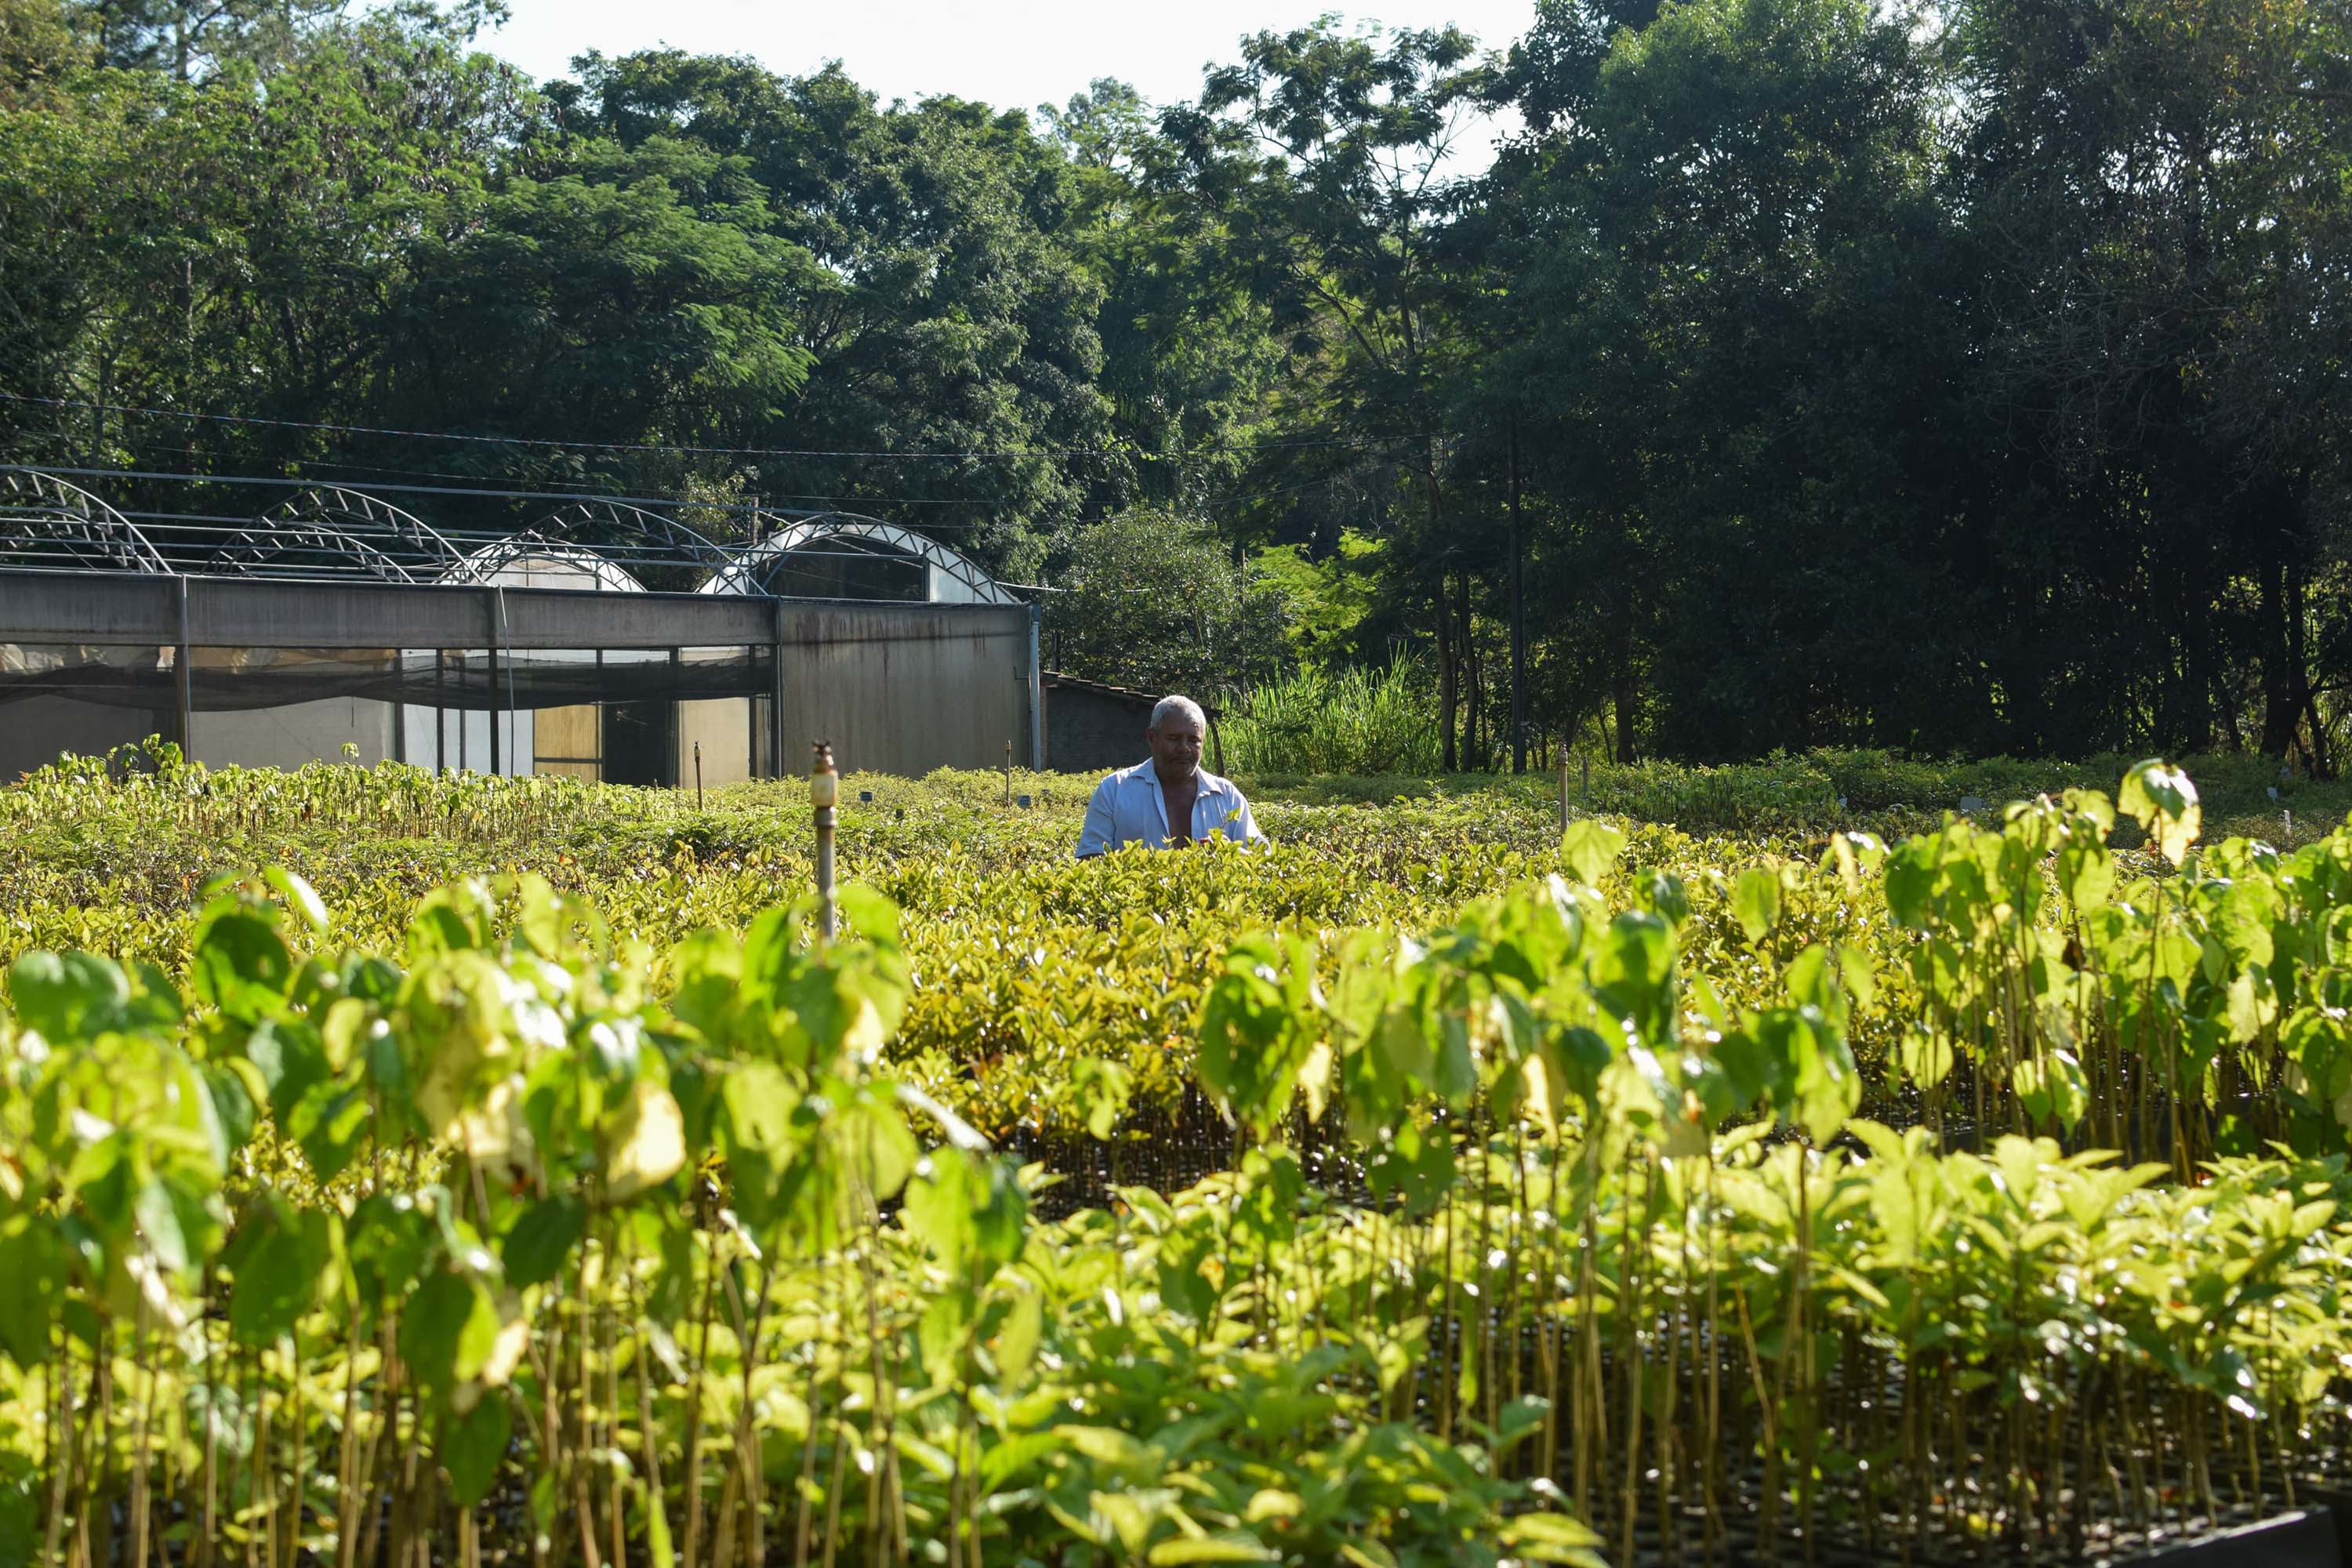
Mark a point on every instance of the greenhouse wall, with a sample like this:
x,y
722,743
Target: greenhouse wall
x,y
905,689
619,686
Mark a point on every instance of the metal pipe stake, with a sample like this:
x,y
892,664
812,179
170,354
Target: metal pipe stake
x,y
825,788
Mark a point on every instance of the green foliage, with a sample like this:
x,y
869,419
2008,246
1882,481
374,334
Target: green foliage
x,y
1757,385
670,1203
1354,721
1155,602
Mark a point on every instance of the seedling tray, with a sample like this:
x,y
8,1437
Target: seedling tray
x,y
2299,1538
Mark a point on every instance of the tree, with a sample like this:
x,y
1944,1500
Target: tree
x,y
1189,358
2155,193
949,331
1731,254
1153,601
1324,156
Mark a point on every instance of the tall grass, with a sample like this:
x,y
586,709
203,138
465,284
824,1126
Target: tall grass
x,y
1360,720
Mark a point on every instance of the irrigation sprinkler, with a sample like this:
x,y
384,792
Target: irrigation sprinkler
x,y
1008,776
824,787
698,776
1563,786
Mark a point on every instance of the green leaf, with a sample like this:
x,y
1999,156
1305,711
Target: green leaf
x,y
1225,1546
448,1330
299,897
656,1518
1924,1055
471,1446
330,1124
2053,1085
644,1141
233,1103
1553,1538
1017,1338
67,997
292,1057
277,1261
2160,798
969,1210
1590,846
1756,902
32,1286
1183,1282
541,1239
240,963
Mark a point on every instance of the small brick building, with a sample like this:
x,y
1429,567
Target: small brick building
x,y
1091,727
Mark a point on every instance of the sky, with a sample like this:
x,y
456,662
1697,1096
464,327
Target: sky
x,y
1011,56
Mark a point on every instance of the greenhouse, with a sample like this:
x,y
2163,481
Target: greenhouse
x,y
608,641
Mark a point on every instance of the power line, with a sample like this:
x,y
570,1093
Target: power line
x,y
368,485
152,446
586,492
1001,453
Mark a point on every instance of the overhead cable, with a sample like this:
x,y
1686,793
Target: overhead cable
x,y
995,453
370,485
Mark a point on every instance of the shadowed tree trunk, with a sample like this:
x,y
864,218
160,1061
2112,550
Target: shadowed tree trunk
x,y
1450,760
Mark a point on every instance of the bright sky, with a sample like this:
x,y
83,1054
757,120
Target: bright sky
x,y
1011,56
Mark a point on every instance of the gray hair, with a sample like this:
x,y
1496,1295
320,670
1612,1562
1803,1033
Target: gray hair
x,y
1183,706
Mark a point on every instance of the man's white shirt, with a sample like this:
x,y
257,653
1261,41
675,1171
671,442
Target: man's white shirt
x,y
1129,807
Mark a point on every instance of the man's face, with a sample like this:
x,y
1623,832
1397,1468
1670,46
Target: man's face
x,y
1175,745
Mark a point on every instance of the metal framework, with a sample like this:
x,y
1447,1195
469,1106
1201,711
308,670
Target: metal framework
x,y
48,521
334,533
751,569
520,552
650,546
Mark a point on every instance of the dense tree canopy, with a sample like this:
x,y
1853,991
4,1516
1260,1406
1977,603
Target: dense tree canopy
x,y
1949,375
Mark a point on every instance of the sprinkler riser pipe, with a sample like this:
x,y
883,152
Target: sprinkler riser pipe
x,y
824,790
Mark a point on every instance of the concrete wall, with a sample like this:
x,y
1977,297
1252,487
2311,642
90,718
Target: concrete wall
x,y
904,689
1089,732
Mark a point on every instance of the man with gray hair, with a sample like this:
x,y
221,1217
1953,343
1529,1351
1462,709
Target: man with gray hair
x,y
1167,800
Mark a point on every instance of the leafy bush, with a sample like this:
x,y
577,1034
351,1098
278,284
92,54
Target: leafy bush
x,y
1357,721
1654,1186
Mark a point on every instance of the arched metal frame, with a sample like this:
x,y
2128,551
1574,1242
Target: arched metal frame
x,y
747,570
640,541
328,524
328,530
63,524
525,550
282,547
